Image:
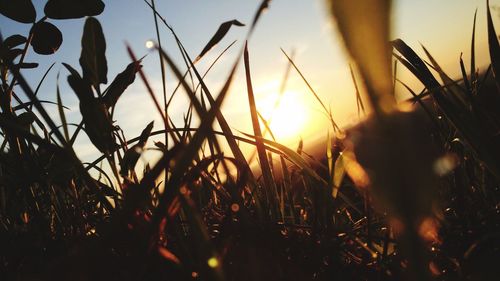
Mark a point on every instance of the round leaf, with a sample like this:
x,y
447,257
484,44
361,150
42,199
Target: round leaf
x,y
18,10
73,9
14,41
46,38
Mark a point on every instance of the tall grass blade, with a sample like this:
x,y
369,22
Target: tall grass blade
x,y
473,78
163,74
270,185
359,101
61,111
457,93
494,47
464,76
41,81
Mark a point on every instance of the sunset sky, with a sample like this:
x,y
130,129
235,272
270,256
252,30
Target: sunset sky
x,y
443,26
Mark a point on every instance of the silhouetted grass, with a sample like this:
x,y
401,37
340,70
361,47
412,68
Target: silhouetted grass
x,y
403,195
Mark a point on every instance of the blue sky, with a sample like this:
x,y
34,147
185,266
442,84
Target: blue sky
x,y
443,26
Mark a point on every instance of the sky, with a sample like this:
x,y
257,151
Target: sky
x,y
300,26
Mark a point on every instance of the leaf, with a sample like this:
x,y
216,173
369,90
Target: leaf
x,y
46,38
26,119
93,58
338,174
18,10
219,34
73,9
28,65
143,138
494,47
132,155
13,54
98,125
120,83
96,119
14,41
80,86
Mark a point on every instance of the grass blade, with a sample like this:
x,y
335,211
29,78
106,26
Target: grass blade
x,y
494,47
270,185
61,111
218,36
473,78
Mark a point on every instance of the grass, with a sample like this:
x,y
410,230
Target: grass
x,y
403,195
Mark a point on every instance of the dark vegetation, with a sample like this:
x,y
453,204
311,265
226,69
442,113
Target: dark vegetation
x,y
403,195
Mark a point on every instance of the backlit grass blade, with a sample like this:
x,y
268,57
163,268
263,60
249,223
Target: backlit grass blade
x,y
473,78
270,185
41,81
266,126
464,76
339,172
162,71
494,47
61,111
359,100
457,93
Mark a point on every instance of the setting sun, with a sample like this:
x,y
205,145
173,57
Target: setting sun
x,y
286,115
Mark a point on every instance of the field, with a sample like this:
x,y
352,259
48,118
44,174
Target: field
x,y
411,192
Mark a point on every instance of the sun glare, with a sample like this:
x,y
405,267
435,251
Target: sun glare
x,y
286,116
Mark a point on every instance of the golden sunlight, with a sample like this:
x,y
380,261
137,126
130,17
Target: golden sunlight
x,y
286,115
